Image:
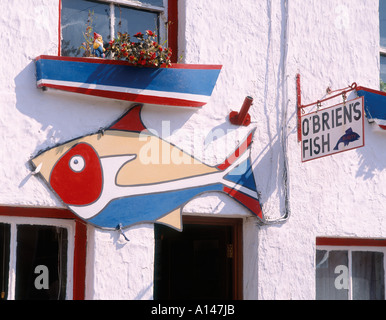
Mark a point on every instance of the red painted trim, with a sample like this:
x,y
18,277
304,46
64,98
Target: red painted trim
x,y
128,96
60,29
249,202
79,268
173,29
131,121
53,213
299,107
347,242
239,151
118,62
382,93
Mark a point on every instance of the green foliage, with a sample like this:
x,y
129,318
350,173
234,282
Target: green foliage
x,y
382,86
87,45
146,51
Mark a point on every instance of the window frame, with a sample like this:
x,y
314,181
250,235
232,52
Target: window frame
x,y
76,250
382,50
351,245
167,13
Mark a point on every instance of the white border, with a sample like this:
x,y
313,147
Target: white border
x,y
63,223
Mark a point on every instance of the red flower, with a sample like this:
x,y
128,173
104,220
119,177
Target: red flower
x,y
131,58
138,35
150,33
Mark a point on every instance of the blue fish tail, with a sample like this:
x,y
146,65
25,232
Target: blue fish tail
x,y
239,181
337,145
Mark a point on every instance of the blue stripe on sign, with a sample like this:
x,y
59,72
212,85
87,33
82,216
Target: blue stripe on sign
x,y
192,81
148,207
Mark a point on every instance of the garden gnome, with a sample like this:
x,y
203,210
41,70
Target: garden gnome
x,y
98,46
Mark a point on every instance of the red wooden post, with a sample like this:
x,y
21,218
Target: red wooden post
x,y
242,117
299,106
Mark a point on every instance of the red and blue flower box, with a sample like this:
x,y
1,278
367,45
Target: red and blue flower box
x,y
185,85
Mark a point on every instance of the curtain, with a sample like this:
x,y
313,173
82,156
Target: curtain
x,y
368,275
331,275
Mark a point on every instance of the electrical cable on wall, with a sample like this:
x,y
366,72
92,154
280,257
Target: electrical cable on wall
x,y
283,137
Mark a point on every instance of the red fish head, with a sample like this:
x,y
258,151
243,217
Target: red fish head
x,y
77,175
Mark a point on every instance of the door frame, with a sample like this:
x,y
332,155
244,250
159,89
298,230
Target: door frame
x,y
237,240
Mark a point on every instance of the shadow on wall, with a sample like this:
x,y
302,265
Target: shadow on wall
x,y
373,154
62,116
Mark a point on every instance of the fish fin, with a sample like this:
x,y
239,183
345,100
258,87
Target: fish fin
x,y
239,181
172,219
130,121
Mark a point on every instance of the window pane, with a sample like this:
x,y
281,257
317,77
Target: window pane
x,y
382,22
74,18
131,21
368,275
44,247
331,275
158,3
5,230
383,68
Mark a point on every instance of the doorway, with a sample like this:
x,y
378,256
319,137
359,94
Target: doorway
x,y
204,261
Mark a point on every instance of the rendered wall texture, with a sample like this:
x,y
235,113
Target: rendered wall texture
x,y
262,46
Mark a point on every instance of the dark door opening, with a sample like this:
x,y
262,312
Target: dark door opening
x,y
201,262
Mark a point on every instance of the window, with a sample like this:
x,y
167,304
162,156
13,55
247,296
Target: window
x,y
42,254
109,17
35,259
382,33
350,269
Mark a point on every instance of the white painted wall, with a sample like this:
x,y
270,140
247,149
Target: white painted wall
x,y
262,45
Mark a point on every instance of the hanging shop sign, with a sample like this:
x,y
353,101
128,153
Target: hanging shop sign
x,y
332,130
125,174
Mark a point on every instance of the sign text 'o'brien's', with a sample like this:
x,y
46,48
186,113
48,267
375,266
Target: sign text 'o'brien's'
x,y
332,130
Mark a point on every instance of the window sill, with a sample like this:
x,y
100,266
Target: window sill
x,y
185,85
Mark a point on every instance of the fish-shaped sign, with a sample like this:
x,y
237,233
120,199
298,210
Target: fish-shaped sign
x,y
106,179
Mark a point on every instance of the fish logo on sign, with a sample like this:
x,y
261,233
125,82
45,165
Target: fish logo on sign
x,y
105,179
349,136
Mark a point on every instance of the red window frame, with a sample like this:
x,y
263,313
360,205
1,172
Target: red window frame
x,y
350,242
172,28
79,267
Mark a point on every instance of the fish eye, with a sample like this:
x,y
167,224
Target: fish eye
x,y
77,163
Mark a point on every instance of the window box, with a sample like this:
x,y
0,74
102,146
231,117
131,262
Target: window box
x,y
375,105
186,85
